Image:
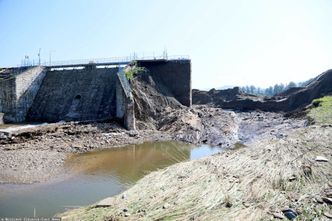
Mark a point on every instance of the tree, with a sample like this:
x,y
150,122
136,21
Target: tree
x,y
252,89
290,85
269,91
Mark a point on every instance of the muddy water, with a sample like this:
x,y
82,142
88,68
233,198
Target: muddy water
x,y
94,176
15,127
5,126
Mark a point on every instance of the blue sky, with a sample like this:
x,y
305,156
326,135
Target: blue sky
x,y
234,42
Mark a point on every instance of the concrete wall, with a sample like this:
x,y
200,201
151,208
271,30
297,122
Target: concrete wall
x,y
78,95
125,102
175,74
7,95
18,93
44,95
120,97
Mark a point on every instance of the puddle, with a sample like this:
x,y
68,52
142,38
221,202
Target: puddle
x,y
15,127
96,175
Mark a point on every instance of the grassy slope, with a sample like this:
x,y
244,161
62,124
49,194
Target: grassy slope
x,y
322,114
244,184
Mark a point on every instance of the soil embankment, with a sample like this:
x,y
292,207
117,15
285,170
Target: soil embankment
x,y
290,100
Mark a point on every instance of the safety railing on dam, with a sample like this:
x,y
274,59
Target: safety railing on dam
x,y
104,61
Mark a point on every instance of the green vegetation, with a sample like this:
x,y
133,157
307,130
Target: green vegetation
x,y
269,91
321,113
134,70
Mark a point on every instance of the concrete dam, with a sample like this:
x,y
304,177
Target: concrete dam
x,y
84,92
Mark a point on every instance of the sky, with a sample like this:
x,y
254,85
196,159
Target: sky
x,y
233,42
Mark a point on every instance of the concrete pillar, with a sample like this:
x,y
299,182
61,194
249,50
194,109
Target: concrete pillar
x,y
129,117
1,118
125,102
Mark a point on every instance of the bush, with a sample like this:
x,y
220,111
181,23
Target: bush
x,y
133,71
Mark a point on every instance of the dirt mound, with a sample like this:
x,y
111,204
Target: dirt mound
x,y
231,99
152,98
214,96
157,109
319,87
289,92
290,100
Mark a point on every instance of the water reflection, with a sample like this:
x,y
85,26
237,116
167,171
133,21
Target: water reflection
x,y
95,175
130,163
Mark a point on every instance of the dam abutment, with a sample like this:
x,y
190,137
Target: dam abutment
x,y
18,93
92,92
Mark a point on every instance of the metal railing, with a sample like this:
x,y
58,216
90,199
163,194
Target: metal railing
x,y
111,60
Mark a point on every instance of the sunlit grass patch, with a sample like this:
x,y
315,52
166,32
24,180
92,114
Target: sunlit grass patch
x,y
321,113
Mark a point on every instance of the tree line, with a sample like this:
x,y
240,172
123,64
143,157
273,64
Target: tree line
x,y
269,91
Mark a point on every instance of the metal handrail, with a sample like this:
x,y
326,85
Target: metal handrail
x,y
122,60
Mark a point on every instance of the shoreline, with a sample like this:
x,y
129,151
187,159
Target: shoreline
x,y
33,164
37,154
251,183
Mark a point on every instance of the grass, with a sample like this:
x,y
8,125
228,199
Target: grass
x,y
133,70
321,113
